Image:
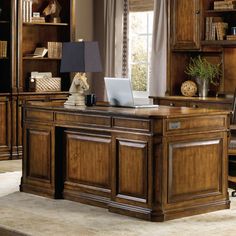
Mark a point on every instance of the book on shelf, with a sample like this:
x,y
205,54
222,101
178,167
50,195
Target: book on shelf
x,y
54,49
231,37
27,10
226,4
3,49
215,28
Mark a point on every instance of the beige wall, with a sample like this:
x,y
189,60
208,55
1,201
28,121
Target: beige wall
x,y
84,20
89,25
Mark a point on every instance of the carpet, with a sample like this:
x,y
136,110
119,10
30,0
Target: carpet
x,y
35,215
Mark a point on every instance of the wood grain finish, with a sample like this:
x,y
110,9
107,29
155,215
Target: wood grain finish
x,y
149,170
39,162
88,162
132,169
188,37
186,179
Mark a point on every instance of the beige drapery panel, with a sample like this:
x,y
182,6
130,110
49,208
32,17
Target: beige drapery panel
x,y
141,5
115,37
157,84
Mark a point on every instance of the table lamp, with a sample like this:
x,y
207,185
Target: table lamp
x,y
79,57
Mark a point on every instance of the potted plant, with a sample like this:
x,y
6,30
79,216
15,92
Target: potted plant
x,y
204,73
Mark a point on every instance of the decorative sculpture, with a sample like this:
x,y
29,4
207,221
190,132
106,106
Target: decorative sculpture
x,y
53,10
78,86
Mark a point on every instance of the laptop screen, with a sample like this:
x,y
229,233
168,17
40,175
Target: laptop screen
x,y
119,91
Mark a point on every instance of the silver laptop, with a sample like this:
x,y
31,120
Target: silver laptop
x,y
119,93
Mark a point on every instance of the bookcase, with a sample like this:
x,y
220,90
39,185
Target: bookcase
x,y
20,38
187,38
39,34
32,34
8,73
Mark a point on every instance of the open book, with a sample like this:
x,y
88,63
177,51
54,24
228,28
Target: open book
x,y
40,52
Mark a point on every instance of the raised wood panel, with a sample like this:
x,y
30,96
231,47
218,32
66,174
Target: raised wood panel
x,y
229,69
88,159
196,123
186,178
39,156
104,121
134,124
132,168
5,128
185,27
38,115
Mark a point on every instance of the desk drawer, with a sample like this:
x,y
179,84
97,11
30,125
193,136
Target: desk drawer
x,y
196,124
89,120
217,106
37,115
131,124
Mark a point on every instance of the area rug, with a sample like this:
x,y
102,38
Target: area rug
x,y
34,215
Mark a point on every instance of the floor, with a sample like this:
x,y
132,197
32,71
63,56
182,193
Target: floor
x,y
27,214
10,174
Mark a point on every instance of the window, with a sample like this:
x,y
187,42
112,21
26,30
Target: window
x,y
140,44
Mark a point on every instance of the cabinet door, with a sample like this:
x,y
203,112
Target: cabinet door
x,y
185,24
5,122
88,166
39,160
131,173
196,168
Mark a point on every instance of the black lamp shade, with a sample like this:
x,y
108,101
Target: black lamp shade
x,y
80,57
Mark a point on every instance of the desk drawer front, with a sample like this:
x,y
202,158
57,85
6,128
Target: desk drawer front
x,y
38,115
197,124
210,105
132,124
93,120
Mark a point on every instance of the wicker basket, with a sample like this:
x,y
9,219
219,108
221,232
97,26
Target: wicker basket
x,y
45,84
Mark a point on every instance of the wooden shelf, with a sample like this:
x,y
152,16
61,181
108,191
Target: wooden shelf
x,y
46,23
221,11
4,58
4,22
218,42
41,58
232,178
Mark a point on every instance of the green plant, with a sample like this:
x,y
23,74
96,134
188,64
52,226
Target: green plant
x,y
200,68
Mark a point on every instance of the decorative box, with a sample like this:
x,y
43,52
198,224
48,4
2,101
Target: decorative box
x,y
43,82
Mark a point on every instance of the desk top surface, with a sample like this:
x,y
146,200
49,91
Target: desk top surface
x,y
158,112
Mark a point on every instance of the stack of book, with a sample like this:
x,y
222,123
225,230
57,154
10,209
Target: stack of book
x,y
226,4
54,49
215,28
38,19
3,49
231,37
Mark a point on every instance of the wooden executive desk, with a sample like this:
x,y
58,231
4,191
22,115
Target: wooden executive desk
x,y
156,164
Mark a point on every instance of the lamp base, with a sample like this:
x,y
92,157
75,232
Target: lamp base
x,y
75,100
78,86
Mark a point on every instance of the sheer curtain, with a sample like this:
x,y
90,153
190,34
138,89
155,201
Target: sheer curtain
x,y
158,77
115,37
